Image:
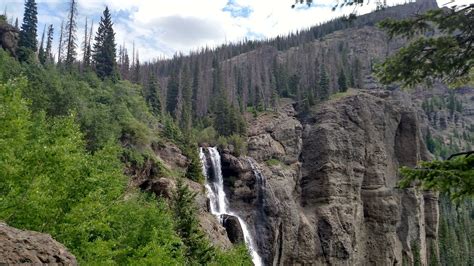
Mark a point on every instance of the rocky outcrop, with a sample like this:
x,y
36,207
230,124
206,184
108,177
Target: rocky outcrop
x,y
28,247
330,191
9,37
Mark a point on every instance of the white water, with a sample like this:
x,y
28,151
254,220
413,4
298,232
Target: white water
x,y
219,205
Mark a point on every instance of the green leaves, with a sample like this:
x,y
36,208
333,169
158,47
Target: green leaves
x,y
447,56
454,177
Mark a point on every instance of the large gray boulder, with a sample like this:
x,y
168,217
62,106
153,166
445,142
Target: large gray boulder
x,y
29,247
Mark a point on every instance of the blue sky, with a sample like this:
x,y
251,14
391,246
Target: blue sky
x,y
160,28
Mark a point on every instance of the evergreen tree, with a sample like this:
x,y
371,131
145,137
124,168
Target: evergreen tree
x,y
28,44
49,44
228,120
323,84
136,69
197,248
105,48
172,93
293,86
61,43
342,81
447,55
71,28
186,115
85,55
357,73
41,51
282,81
88,48
196,82
152,95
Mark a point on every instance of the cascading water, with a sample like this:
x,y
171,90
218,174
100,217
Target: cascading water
x,y
218,202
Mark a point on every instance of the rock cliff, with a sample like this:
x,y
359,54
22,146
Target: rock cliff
x,y
9,37
330,195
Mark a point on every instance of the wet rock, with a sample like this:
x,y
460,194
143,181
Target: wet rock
x,y
233,228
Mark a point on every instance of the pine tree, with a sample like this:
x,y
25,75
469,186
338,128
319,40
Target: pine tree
x,y
105,48
28,44
172,94
49,44
152,95
293,85
136,69
85,58
71,28
186,116
196,82
197,248
88,50
61,43
342,81
324,84
41,51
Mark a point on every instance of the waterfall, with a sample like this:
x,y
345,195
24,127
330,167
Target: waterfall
x,y
217,198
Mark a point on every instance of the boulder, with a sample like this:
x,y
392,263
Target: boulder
x,y
233,228
9,37
33,248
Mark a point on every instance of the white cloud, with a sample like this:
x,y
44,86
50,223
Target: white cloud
x,y
163,27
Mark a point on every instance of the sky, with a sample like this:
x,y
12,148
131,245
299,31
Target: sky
x,y
162,28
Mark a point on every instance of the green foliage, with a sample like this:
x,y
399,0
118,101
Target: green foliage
x,y
273,162
342,81
194,171
171,129
172,94
415,247
187,90
105,48
152,95
198,250
228,120
238,255
455,177
207,136
51,183
448,56
456,232
237,144
323,84
27,45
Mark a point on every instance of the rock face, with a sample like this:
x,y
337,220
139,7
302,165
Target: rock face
x,y
20,247
233,229
330,195
9,37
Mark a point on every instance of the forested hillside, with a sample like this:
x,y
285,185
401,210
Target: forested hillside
x,y
66,139
118,159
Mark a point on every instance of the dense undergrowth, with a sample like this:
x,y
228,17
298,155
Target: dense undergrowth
x,y
62,137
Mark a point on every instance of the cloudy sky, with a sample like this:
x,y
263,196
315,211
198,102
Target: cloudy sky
x,y
160,28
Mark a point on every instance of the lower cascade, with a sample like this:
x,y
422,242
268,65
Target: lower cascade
x,y
218,202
